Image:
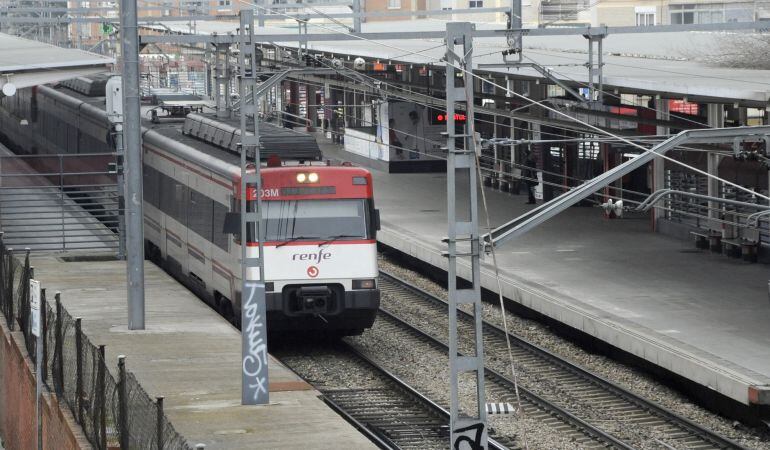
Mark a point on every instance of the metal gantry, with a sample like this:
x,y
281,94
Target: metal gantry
x,y
253,307
463,238
501,33
536,216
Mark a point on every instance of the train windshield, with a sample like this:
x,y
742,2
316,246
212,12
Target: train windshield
x,y
300,220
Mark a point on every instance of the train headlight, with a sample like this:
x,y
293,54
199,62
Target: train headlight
x,y
312,177
364,284
301,177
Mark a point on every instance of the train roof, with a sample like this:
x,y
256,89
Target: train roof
x,y
330,170
225,133
288,144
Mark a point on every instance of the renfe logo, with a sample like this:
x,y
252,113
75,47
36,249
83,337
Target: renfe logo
x,y
317,257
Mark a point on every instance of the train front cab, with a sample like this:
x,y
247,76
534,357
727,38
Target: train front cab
x,y
320,249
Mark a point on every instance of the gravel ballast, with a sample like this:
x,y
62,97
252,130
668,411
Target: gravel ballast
x,y
627,377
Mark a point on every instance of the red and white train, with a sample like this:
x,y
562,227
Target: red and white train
x,y
320,248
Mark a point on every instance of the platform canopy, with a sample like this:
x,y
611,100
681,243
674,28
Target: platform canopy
x,y
24,63
670,64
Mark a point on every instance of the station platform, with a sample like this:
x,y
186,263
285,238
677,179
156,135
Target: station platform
x,y
191,356
700,315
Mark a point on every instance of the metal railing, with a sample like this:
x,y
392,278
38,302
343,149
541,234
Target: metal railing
x,y
60,202
112,411
739,214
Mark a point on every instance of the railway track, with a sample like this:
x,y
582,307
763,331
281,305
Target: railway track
x,y
382,406
596,411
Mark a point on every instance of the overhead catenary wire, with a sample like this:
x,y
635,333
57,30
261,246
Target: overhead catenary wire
x,y
432,98
645,107
611,94
533,102
510,117
594,139
467,72
486,157
545,183
563,186
301,121
625,140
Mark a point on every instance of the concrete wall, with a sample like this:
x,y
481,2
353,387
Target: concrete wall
x,y
17,403
362,143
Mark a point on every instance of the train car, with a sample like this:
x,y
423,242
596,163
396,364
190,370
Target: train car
x,y
320,248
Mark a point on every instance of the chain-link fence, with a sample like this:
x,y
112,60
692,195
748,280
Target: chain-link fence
x,y
112,411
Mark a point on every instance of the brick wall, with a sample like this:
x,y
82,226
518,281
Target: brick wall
x,y
17,403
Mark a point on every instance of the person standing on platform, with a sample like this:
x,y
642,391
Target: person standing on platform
x,y
341,126
529,174
288,120
393,139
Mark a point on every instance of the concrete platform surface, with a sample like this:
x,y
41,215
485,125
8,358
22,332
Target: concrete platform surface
x,y
191,355
701,315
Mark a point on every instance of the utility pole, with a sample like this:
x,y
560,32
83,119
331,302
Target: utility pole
x,y
357,16
132,140
515,15
469,428
254,387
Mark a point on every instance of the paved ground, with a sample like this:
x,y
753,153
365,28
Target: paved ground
x,y
615,279
191,355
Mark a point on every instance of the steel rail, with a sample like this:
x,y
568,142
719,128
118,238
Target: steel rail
x,y
375,436
493,444
370,421
640,403
504,384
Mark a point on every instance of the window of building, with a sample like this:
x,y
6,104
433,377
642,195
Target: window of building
x,y
394,4
446,5
556,91
645,16
691,13
645,20
588,150
476,4
225,3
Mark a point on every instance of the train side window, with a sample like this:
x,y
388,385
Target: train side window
x,y
179,189
167,194
180,192
200,214
220,239
151,189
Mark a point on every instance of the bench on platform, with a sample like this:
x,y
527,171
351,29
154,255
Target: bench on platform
x,y
741,247
705,239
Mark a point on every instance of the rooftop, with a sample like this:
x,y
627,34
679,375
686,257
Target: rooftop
x,y
670,64
24,62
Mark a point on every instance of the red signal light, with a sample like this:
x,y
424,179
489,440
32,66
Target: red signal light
x,y
458,117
